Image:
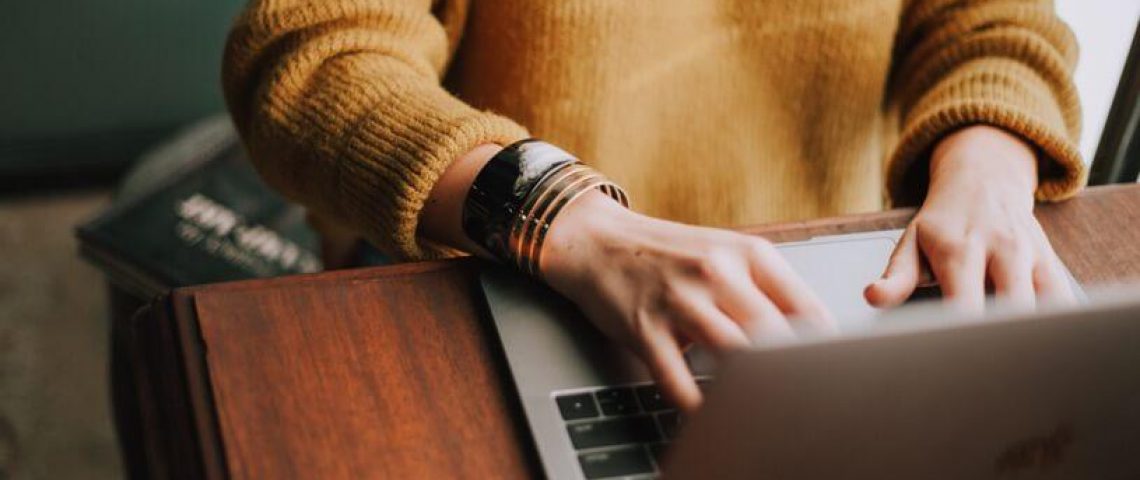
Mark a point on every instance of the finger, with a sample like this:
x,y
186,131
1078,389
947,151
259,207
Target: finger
x,y
1012,275
962,274
767,323
667,364
707,325
746,305
901,275
787,291
1051,279
1052,282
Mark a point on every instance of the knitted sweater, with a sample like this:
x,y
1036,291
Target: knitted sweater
x,y
713,112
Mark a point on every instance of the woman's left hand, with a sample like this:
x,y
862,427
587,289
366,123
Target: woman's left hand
x,y
977,225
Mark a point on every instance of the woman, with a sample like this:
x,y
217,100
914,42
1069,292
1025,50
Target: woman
x,y
390,117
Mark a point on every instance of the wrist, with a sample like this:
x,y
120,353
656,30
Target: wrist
x,y
442,215
986,157
520,192
579,232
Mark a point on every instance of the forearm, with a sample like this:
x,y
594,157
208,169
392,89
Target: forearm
x,y
342,110
441,219
989,155
1015,75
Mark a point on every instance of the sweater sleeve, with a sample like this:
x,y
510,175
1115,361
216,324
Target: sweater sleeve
x,y
1005,63
340,105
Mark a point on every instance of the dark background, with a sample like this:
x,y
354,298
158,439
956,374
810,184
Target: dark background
x,y
87,85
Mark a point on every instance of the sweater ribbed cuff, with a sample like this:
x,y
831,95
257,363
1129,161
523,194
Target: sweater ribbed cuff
x,y
998,92
393,191
1061,172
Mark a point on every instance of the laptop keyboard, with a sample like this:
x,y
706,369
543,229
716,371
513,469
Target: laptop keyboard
x,y
619,431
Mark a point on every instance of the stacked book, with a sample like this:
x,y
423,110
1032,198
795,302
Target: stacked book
x,y
194,211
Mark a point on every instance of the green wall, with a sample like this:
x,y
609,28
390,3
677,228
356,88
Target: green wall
x,y
106,69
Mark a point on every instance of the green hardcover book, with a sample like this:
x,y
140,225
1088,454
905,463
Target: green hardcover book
x,y
196,212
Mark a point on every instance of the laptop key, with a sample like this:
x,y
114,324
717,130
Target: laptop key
x,y
617,431
652,399
614,463
658,451
576,407
670,423
617,401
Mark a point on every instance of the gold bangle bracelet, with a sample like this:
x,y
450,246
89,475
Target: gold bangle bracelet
x,y
557,194
519,193
536,203
532,242
536,255
556,189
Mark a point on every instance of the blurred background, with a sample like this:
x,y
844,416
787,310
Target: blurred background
x,y
85,88
89,88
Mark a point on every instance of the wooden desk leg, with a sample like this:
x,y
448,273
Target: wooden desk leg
x,y
124,391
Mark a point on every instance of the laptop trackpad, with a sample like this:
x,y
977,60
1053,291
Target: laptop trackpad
x,y
545,338
838,269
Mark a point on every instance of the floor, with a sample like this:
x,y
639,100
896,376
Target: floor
x,y
55,417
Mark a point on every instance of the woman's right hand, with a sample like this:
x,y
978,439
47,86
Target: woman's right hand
x,y
657,286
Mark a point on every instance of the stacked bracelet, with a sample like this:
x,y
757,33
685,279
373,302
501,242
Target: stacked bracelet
x,y
517,196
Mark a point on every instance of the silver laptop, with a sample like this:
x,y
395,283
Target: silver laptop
x,y
898,395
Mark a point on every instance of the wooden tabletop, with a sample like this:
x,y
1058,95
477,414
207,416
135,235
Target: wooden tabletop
x,y
395,372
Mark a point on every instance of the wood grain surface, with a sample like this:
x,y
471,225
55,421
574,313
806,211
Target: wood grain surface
x,y
394,372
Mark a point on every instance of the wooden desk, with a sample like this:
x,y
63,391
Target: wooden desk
x,y
394,372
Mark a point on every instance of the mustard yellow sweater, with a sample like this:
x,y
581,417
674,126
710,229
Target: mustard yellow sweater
x,y
715,112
